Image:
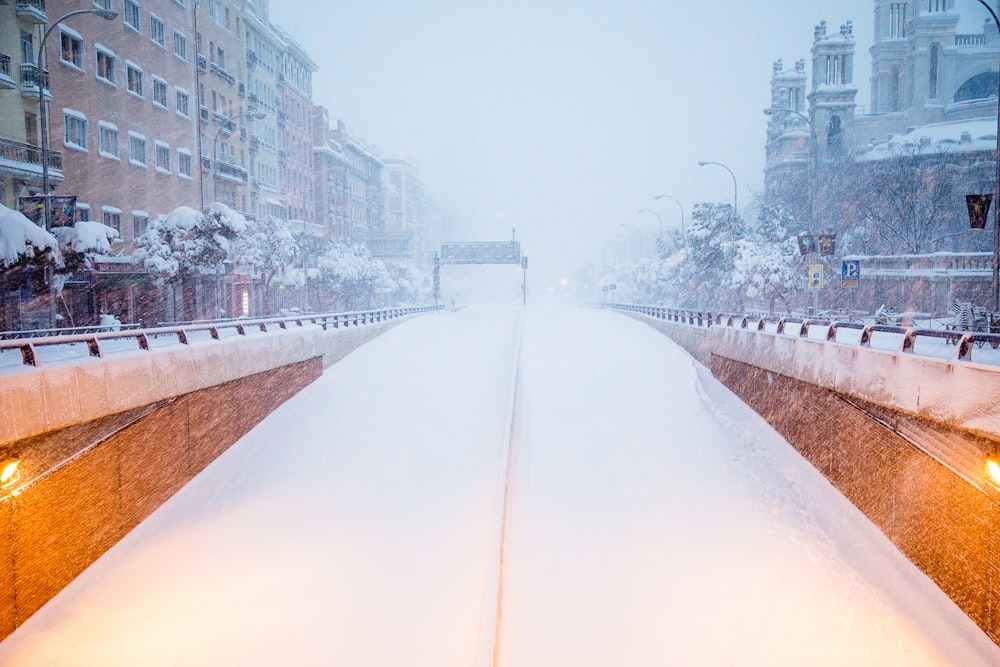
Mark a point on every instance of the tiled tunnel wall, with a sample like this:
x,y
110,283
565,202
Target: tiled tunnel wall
x,y
120,469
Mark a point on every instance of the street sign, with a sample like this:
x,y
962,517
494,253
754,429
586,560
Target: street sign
x,y
815,276
485,252
979,208
850,273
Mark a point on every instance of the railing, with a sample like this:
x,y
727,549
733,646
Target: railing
x,y
900,339
32,74
232,171
18,152
5,66
221,72
100,340
970,40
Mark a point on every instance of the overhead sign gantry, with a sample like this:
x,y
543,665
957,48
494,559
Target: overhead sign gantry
x,y
480,252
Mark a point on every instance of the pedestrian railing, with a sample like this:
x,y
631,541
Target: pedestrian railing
x,y
101,339
941,343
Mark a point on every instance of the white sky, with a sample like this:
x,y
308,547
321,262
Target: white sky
x,y
562,118
654,519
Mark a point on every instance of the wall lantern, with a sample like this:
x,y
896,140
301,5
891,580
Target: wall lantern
x,y
993,468
9,472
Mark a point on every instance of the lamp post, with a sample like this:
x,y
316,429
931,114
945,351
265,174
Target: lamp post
x,y
658,218
735,197
40,78
215,147
996,197
813,158
40,81
681,207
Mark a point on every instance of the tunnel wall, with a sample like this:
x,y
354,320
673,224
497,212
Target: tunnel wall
x,y
903,437
106,442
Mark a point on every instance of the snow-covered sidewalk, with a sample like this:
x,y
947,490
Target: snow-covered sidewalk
x,y
653,519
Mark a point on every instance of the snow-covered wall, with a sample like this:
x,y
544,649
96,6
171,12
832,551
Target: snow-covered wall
x,y
80,389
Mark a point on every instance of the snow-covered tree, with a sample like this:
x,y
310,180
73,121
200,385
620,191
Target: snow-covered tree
x,y
704,277
352,274
268,247
79,244
766,264
187,243
23,241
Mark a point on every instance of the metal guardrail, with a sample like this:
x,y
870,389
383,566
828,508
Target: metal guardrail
x,y
964,341
95,339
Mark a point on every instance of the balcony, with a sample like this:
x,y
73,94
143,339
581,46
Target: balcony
x,y
220,71
34,10
251,59
254,186
203,115
254,143
227,125
230,172
15,151
31,75
206,164
202,64
282,156
241,90
6,76
253,99
282,119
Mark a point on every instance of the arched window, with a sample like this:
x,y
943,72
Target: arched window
x,y
895,79
932,87
980,87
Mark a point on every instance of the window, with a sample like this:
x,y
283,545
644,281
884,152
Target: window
x,y
180,45
113,218
159,92
132,15
157,31
137,149
933,74
108,136
184,163
27,47
106,66
103,4
162,157
133,75
82,212
140,222
182,100
76,129
71,48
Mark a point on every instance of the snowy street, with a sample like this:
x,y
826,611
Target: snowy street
x,y
649,518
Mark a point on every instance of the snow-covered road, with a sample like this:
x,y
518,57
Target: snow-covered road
x,y
652,520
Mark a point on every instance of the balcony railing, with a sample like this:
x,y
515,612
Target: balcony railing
x,y
203,115
6,77
18,152
241,90
282,119
31,75
32,9
206,164
221,72
231,171
202,63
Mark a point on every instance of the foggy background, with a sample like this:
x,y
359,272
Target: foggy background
x,y
562,118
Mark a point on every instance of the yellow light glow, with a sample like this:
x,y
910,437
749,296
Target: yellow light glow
x,y
994,469
8,471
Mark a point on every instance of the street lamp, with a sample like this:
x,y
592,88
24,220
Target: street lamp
x,y
40,78
996,196
681,207
703,163
215,147
658,218
813,155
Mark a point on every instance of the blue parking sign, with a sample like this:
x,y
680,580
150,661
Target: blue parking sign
x,y
850,272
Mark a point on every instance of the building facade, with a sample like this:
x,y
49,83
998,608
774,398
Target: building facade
x,y
295,156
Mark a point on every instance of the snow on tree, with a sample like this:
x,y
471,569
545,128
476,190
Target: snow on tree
x,y
22,241
186,243
78,245
269,248
705,275
767,264
351,274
